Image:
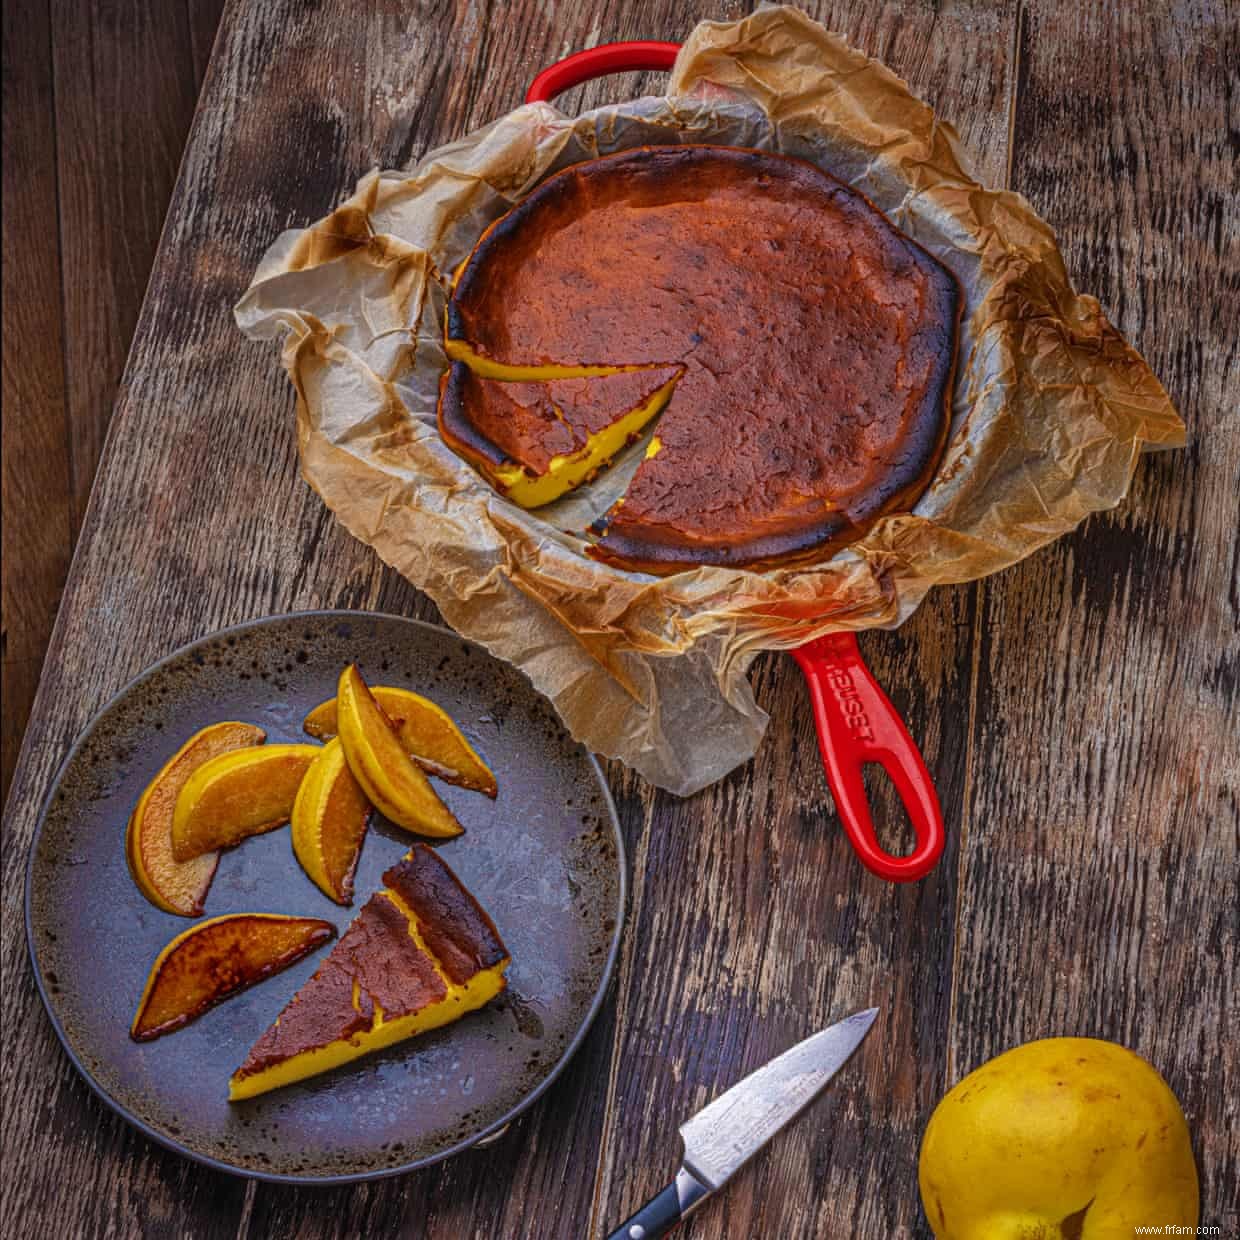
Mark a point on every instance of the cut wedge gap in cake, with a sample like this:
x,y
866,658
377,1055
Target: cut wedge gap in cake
x,y
419,955
535,441
487,367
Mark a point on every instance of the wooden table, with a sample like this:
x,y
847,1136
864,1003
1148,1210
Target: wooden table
x,y
1079,712
98,100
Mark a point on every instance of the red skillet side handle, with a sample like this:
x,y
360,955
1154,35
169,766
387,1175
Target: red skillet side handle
x,y
858,724
599,62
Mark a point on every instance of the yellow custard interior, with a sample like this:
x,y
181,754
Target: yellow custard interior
x,y
566,472
487,368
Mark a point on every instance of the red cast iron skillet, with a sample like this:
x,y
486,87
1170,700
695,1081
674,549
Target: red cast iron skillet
x,y
855,719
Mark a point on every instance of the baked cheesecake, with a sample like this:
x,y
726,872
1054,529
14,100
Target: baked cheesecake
x,y
420,954
817,344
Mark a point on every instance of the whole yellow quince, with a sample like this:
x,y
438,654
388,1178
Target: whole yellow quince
x,y
1063,1139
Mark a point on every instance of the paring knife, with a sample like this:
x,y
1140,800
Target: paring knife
x,y
724,1135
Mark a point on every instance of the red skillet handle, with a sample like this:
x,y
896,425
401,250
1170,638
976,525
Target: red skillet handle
x,y
599,62
858,724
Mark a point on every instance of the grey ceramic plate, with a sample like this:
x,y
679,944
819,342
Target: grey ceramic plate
x,y
545,859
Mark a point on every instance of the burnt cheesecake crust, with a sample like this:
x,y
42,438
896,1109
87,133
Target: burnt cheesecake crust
x,y
420,954
454,926
817,343
375,954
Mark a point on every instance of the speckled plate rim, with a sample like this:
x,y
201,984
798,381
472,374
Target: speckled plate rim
x,y
493,1129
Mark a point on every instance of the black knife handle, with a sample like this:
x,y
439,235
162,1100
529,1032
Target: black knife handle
x,y
660,1214
656,1218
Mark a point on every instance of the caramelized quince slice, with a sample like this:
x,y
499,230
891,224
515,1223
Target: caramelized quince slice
x,y
238,795
427,732
388,776
329,823
178,887
209,962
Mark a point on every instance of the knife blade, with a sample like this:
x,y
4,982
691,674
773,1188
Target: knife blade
x,y
729,1131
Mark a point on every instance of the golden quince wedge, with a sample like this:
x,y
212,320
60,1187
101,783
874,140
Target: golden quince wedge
x,y
428,733
207,963
178,887
395,785
238,795
329,822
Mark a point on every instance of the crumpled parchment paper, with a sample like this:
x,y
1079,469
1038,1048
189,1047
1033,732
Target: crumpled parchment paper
x,y
1050,412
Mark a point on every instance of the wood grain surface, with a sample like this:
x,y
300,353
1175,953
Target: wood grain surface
x,y
37,528
1079,713
98,102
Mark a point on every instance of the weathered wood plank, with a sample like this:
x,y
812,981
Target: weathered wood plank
x,y
126,86
37,524
752,923
106,130
1098,894
203,23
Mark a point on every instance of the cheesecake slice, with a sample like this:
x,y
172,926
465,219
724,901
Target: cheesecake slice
x,y
534,440
421,954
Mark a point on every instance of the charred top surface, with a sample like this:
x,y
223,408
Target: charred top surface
x,y
376,961
452,923
818,341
